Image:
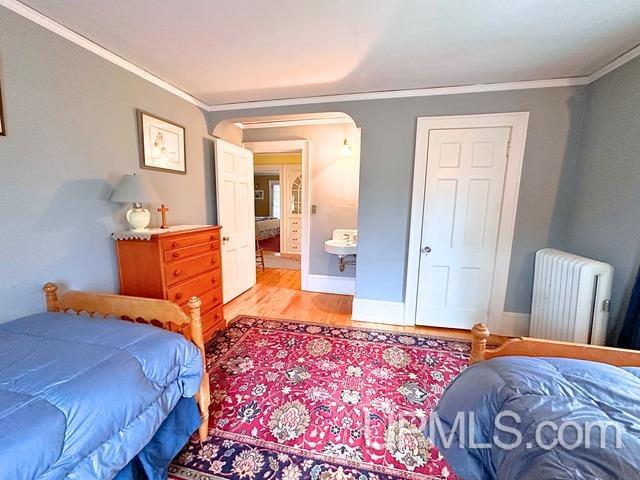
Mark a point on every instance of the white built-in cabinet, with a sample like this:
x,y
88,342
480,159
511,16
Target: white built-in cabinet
x,y
292,211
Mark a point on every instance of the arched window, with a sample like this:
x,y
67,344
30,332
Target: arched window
x,y
296,196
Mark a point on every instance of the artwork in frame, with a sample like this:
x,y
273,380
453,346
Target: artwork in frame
x,y
259,194
162,145
2,128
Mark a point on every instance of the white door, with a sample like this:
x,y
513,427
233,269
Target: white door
x,y
461,218
234,192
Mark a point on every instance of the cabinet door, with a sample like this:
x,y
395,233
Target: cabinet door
x,y
294,209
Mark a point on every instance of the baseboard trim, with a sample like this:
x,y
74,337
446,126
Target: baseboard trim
x,y
512,324
378,311
331,284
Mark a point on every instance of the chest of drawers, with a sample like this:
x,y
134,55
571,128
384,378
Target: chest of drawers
x,y
176,266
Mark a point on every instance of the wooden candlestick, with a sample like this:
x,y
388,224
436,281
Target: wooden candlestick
x,y
163,211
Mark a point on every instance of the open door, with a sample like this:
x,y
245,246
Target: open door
x,y
234,195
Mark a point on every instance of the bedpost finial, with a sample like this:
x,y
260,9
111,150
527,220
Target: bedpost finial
x,y
194,302
50,295
480,330
480,334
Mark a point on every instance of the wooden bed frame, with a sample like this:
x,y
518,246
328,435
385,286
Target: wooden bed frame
x,y
536,347
160,313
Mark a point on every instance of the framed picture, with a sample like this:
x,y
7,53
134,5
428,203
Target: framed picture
x,y
258,194
161,144
2,129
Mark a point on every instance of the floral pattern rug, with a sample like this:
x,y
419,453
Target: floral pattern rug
x,y
299,401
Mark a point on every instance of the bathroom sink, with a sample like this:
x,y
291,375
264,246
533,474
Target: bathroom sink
x,y
340,247
343,243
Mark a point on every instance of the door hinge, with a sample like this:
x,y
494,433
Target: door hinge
x,y
508,149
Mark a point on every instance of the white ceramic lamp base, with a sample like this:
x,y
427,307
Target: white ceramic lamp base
x,y
138,219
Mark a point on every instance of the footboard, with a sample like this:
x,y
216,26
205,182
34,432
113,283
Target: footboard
x,y
537,347
160,313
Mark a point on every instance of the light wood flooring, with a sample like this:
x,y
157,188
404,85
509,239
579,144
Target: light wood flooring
x,y
277,294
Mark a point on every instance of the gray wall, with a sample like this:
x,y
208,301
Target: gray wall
x,y
71,133
386,171
605,220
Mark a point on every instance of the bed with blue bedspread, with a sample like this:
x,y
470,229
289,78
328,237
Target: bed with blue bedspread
x,y
537,390
86,398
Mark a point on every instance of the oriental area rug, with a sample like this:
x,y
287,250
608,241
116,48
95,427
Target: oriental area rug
x,y
299,401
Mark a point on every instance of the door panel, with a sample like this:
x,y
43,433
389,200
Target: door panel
x,y
463,198
234,186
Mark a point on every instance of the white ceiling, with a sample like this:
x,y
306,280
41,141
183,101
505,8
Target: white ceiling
x,y
226,51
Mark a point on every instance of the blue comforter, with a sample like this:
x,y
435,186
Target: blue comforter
x,y
541,390
80,397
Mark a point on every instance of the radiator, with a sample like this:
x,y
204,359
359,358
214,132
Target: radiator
x,y
571,298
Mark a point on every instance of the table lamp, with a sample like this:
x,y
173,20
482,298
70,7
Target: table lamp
x,y
135,189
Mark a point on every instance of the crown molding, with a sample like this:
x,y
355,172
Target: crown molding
x,y
618,62
293,123
418,92
53,26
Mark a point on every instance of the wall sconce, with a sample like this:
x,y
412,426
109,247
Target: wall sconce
x,y
346,149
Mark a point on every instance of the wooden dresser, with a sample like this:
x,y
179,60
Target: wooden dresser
x,y
176,265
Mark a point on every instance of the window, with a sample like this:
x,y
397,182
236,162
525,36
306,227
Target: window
x,y
296,196
274,198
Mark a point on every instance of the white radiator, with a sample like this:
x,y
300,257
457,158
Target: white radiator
x,y
571,298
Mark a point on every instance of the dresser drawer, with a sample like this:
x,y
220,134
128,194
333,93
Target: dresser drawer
x,y
210,300
179,271
186,252
295,222
182,242
196,286
212,322
294,247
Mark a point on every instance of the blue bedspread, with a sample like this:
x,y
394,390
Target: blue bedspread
x,y
538,390
81,397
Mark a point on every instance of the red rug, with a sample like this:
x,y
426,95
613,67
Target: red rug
x,y
271,244
299,401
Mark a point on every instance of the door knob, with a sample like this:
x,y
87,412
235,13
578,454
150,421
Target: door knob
x,y
225,239
426,250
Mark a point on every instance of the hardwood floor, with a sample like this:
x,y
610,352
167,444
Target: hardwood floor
x,y
277,294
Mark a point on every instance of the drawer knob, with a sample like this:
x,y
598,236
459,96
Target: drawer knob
x,y
178,296
176,254
175,244
213,280
176,272
212,237
213,261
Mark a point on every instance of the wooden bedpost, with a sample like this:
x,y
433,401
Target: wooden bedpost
x,y
480,334
203,396
50,296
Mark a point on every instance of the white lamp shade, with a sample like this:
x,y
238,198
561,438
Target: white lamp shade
x,y
133,188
